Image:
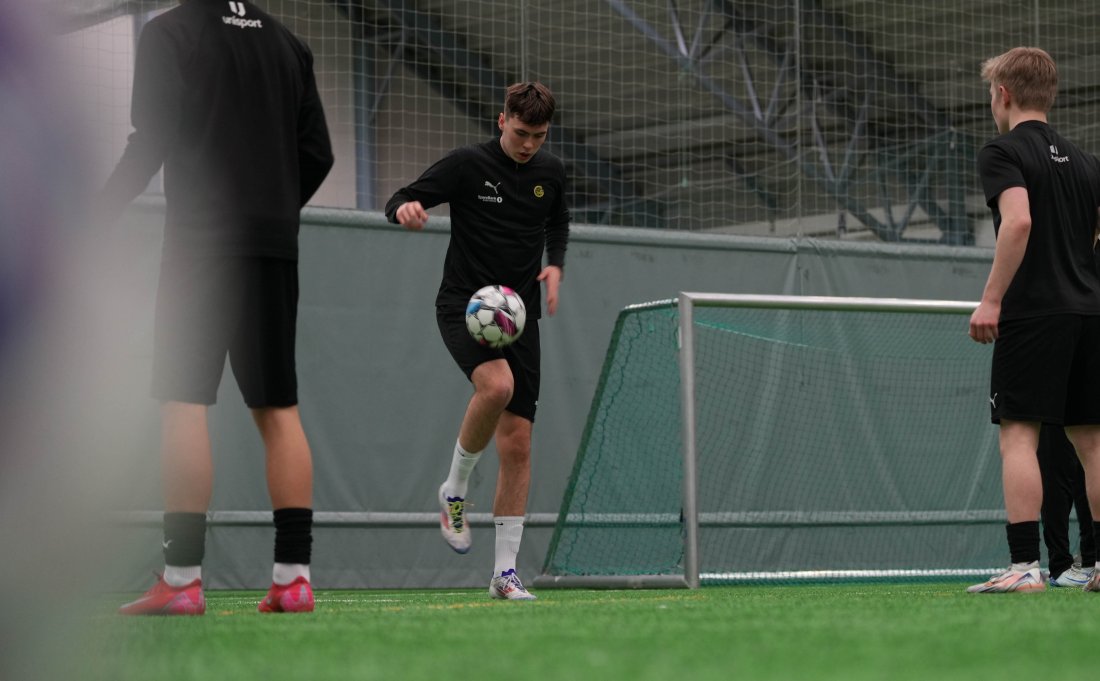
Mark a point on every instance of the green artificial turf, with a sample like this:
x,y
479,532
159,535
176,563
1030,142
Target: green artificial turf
x,y
844,631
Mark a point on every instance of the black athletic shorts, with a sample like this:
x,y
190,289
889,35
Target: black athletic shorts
x,y
523,358
1047,369
207,308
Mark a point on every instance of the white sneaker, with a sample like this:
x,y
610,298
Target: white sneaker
x,y
452,522
1076,577
508,587
1011,581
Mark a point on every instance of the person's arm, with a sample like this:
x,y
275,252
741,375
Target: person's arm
x,y
408,206
551,276
557,240
1096,231
314,145
1012,237
155,115
557,233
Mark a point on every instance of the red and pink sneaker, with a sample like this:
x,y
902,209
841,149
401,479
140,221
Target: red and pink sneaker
x,y
294,597
164,599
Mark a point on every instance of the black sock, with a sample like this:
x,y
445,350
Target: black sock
x,y
293,535
184,539
1023,541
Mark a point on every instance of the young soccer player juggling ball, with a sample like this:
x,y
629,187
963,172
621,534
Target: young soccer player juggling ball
x,y
508,209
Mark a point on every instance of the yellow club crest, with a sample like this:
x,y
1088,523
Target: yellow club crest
x,y
539,191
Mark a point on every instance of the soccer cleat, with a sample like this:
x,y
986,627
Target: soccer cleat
x,y
164,599
452,522
294,597
1011,581
507,586
1076,576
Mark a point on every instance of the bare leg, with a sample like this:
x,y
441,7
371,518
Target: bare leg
x,y
1086,440
492,392
514,479
509,507
187,467
187,482
288,458
1023,484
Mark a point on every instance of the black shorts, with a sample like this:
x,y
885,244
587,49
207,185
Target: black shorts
x,y
1046,369
523,357
207,308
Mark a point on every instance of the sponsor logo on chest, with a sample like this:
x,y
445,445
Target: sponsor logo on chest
x,y
493,193
495,197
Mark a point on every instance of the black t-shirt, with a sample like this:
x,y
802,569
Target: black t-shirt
x,y
1058,273
503,215
225,98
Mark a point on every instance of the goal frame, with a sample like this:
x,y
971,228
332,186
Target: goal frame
x,y
686,303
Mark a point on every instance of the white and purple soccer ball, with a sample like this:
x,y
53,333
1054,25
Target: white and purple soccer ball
x,y
495,316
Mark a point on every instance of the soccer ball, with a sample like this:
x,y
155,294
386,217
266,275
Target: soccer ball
x,y
495,316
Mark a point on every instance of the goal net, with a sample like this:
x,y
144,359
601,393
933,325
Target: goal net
x,y
790,438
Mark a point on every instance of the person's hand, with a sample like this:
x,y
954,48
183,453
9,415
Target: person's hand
x,y
983,323
411,215
551,276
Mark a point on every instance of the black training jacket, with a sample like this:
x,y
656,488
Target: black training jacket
x,y
225,99
504,216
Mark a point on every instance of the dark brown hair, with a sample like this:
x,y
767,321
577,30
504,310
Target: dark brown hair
x,y
531,102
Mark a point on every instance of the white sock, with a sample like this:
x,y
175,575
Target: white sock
x,y
462,465
1024,567
177,576
509,535
285,573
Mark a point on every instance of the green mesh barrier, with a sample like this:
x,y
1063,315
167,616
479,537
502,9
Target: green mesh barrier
x,y
621,512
